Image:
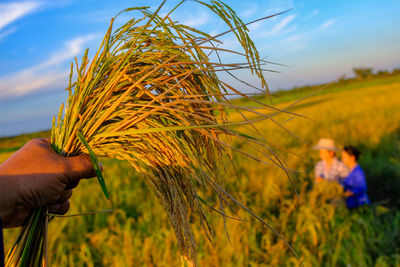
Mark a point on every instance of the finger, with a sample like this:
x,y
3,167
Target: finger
x,y
60,208
44,142
72,185
65,196
79,167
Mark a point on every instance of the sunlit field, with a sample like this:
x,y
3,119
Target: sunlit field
x,y
316,223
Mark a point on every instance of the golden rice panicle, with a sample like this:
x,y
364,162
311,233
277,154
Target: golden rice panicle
x,y
151,96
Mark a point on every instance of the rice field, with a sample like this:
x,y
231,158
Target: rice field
x,y
320,229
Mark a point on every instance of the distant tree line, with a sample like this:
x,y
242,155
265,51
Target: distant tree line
x,y
362,73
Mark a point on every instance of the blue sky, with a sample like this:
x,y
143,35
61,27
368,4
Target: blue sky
x,y
317,40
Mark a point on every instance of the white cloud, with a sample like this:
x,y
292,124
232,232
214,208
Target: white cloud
x,y
282,24
214,33
278,28
294,38
48,74
199,20
26,82
11,12
328,23
7,32
250,11
313,14
276,6
295,43
96,16
71,49
256,26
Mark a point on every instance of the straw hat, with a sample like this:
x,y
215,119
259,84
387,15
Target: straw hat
x,y
326,143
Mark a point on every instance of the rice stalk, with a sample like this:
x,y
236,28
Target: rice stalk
x,y
151,96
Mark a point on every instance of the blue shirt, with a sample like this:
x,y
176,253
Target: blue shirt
x,y
355,182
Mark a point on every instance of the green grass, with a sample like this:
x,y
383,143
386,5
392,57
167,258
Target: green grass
x,y
12,143
137,233
297,93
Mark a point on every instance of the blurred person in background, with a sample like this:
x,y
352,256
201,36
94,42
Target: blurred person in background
x,y
329,168
354,185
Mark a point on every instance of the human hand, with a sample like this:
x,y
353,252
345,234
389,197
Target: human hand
x,y
36,176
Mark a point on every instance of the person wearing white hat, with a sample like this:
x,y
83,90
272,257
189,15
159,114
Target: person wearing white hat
x,y
329,168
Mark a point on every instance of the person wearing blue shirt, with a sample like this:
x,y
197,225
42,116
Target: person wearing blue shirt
x,y
354,185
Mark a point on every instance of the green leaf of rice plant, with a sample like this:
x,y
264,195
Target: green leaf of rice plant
x,y
95,163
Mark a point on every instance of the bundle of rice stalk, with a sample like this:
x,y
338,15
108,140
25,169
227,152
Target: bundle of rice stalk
x,y
151,96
